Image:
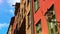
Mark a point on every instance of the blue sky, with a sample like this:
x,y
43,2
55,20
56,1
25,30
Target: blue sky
x,y
6,12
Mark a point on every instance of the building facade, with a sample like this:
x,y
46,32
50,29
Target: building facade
x,y
36,17
13,22
23,20
25,10
46,18
11,25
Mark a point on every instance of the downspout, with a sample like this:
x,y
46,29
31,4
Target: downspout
x,y
32,18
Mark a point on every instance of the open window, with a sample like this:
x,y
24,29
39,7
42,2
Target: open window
x,y
51,20
38,27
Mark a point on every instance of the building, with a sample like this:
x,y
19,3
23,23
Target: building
x,y
13,22
36,17
46,16
23,20
17,10
26,19
11,25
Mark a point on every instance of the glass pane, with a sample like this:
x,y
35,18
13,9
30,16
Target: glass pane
x,y
38,28
35,5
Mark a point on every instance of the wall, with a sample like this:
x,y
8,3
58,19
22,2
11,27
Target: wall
x,y
44,5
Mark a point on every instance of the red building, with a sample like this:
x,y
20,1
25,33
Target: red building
x,y
44,10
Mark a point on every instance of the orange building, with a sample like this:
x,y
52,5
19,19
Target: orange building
x,y
46,16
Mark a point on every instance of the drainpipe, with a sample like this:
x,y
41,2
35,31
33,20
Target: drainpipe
x,y
32,20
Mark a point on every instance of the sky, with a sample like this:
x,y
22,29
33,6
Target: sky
x,y
6,12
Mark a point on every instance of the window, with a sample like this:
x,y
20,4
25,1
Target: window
x,y
28,2
18,12
38,28
51,20
19,15
29,19
22,13
35,5
24,7
16,30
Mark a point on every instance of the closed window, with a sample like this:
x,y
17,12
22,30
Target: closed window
x,y
36,5
38,28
